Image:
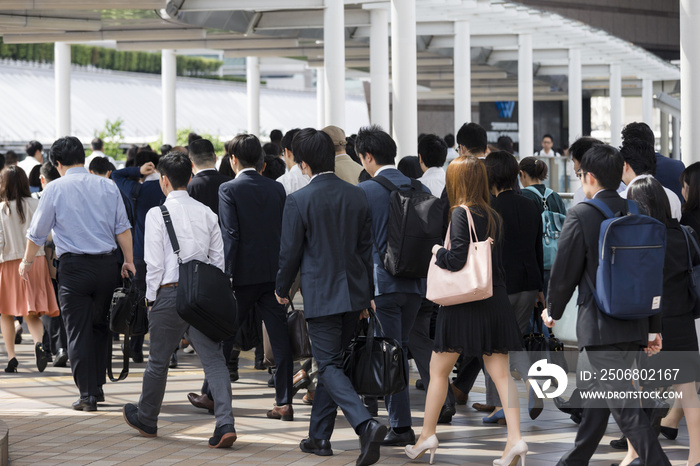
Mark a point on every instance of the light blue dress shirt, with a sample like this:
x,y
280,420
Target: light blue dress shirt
x,y
85,211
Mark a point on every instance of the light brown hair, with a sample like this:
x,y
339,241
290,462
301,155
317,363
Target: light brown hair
x,y
467,184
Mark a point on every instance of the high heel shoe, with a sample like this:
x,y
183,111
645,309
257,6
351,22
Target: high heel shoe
x,y
669,432
416,451
519,450
499,417
12,365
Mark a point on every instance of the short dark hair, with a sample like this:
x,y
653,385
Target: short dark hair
x,y
11,158
97,144
505,143
165,148
276,136
433,150
473,137
2,161
502,170
192,136
177,167
638,130
270,148
410,167
649,194
374,140
288,138
450,140
202,152
314,148
548,136
274,166
581,146
350,148
67,151
145,156
640,156
101,166
261,162
49,172
225,167
535,168
247,149
605,163
34,177
691,177
32,147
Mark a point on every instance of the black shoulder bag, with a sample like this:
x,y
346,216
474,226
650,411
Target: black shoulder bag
x,y
205,299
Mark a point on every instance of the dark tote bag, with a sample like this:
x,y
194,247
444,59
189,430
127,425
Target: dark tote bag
x,y
205,299
693,270
298,337
375,364
128,315
544,346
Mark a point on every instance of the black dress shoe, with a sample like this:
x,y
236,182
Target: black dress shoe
x,y
370,441
233,375
669,432
41,359
137,356
131,416
86,404
61,358
223,437
271,382
173,360
392,439
619,444
100,396
419,384
320,447
446,414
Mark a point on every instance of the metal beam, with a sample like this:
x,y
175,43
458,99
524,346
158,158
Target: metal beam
x,y
254,5
537,55
246,44
44,22
81,4
422,63
314,52
586,70
307,19
449,76
87,36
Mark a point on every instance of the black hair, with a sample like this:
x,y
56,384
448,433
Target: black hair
x,y
548,136
505,143
350,148
374,140
11,158
192,136
276,136
535,168
202,152
145,156
473,137
131,155
502,169
35,177
68,151
364,176
14,186
450,140
270,148
638,130
247,149
314,148
32,147
433,150
288,138
640,156
260,164
225,167
691,177
49,172
410,167
649,194
274,166
165,148
2,161
101,166
605,163
177,167
421,136
97,144
581,146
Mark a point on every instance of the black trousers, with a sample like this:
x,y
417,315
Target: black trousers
x,y
85,287
628,414
136,342
54,331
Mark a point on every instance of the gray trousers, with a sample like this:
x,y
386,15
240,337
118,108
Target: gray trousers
x,y
166,329
523,303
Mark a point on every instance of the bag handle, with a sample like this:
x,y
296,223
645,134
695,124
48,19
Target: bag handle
x,y
472,228
688,239
126,352
171,232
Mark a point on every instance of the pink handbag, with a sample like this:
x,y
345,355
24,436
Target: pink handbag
x,y
474,282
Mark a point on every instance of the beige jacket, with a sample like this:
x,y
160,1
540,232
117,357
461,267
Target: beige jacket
x,y
13,234
347,170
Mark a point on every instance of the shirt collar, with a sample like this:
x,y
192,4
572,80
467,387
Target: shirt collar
x,y
152,177
206,170
247,169
340,155
76,171
639,177
384,167
322,173
178,193
434,171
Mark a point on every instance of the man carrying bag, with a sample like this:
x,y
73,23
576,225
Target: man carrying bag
x,y
199,235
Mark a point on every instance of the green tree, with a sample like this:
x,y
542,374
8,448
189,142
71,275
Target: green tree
x,y
112,136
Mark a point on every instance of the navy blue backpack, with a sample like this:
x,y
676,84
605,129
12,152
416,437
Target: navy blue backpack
x,y
631,248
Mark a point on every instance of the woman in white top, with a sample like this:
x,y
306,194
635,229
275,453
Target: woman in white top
x,y
35,297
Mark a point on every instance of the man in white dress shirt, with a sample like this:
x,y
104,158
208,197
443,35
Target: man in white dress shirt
x,y
35,156
432,152
199,235
97,146
294,179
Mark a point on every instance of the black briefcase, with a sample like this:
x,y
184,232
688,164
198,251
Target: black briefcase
x,y
375,364
205,299
128,315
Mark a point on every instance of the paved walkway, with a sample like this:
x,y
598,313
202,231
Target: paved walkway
x,y
43,428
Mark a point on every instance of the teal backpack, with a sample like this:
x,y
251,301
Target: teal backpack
x,y
552,223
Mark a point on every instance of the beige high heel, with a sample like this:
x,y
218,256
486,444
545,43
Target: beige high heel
x,y
417,451
518,451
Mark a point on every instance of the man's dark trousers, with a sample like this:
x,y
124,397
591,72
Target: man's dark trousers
x,y
85,288
136,342
54,331
329,336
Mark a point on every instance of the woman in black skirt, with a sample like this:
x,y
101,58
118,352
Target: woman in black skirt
x,y
486,328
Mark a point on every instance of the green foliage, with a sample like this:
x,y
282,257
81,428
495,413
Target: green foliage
x,y
182,134
111,135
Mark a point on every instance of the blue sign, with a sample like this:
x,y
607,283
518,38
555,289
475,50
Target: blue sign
x,y
505,109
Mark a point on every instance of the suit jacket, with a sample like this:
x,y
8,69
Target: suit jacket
x,y
378,200
668,172
250,213
692,219
204,187
326,231
578,254
522,242
347,169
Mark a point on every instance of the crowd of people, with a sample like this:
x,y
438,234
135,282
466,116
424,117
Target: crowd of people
x,y
314,212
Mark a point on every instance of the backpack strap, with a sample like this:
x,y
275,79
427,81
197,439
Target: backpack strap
x,y
534,190
385,182
171,231
600,206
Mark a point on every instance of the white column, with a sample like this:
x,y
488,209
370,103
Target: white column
x,y
168,73
526,124
463,74
379,68
334,61
404,75
320,98
690,74
615,105
663,129
252,72
675,125
575,96
648,102
62,83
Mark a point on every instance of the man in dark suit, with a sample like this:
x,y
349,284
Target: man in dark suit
x,y
327,233
397,299
604,342
250,213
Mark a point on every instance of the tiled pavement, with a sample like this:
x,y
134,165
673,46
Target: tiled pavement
x,y
44,430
